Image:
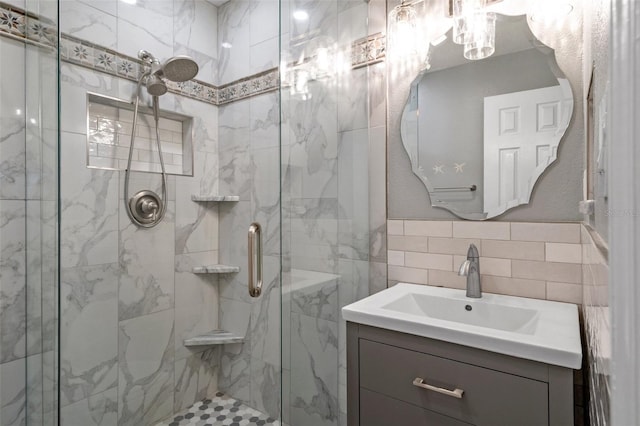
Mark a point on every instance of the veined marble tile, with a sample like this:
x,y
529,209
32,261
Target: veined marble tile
x,y
234,224
377,277
315,298
12,120
196,302
89,211
352,21
377,94
88,23
234,377
146,364
12,280
234,39
195,378
264,20
353,195
196,223
265,315
264,55
13,393
146,273
89,314
205,123
235,160
266,197
97,410
265,387
195,26
323,17
313,144
107,6
146,25
314,371
377,195
75,83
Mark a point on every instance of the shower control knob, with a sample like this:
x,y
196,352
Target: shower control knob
x,y
145,208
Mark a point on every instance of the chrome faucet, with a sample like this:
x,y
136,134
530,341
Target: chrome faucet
x,y
471,269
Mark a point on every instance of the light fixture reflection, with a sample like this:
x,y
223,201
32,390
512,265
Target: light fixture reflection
x,y
129,1
403,30
300,15
226,45
481,36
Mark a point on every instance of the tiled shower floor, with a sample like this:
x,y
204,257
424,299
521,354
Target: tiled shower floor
x,y
221,410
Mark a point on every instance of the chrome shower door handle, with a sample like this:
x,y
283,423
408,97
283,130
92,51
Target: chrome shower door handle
x,y
255,258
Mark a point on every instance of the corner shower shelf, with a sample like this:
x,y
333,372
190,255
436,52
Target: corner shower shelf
x,y
215,269
215,198
214,337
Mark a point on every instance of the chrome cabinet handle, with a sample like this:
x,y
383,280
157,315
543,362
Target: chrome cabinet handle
x,y
456,393
255,254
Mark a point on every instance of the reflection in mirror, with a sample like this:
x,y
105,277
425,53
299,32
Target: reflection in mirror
x,y
480,133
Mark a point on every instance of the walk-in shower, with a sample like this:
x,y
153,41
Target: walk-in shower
x,y
146,209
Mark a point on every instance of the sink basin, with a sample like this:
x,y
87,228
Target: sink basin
x,y
538,330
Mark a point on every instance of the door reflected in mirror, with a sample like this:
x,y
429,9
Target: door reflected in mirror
x,y
481,133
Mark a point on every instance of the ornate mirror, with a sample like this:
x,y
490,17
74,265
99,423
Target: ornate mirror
x,y
480,133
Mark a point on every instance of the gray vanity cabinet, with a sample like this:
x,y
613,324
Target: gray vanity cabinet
x,y
396,379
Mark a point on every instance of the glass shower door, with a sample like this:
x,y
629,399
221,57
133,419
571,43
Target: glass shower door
x,y
28,212
333,186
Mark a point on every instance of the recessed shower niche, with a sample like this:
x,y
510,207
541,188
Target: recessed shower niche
x,y
109,127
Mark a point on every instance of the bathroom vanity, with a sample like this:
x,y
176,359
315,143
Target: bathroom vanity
x,y
449,371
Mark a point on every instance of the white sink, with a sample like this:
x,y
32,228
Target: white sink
x,y
538,330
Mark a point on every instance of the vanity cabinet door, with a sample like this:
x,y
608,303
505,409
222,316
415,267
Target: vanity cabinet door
x,y
379,410
489,397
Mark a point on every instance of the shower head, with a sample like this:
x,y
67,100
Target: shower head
x,y
155,85
179,68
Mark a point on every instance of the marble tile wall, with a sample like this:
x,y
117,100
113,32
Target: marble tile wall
x,y
597,322
129,297
28,193
537,260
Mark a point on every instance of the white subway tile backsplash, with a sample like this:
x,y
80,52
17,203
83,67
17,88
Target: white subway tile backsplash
x,y
395,227
539,260
395,258
495,266
562,252
447,279
428,228
564,292
547,232
482,230
514,287
513,249
452,245
547,271
443,262
418,244
408,275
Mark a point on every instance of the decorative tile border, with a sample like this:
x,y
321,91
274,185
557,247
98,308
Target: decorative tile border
x,y
16,23
368,50
98,58
256,84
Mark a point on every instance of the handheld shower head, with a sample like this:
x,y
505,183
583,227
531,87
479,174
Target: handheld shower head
x,y
155,85
179,68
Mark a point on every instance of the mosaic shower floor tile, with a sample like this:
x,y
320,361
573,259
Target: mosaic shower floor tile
x,y
218,411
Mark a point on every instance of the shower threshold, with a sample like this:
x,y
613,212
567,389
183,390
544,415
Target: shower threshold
x,y
217,411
